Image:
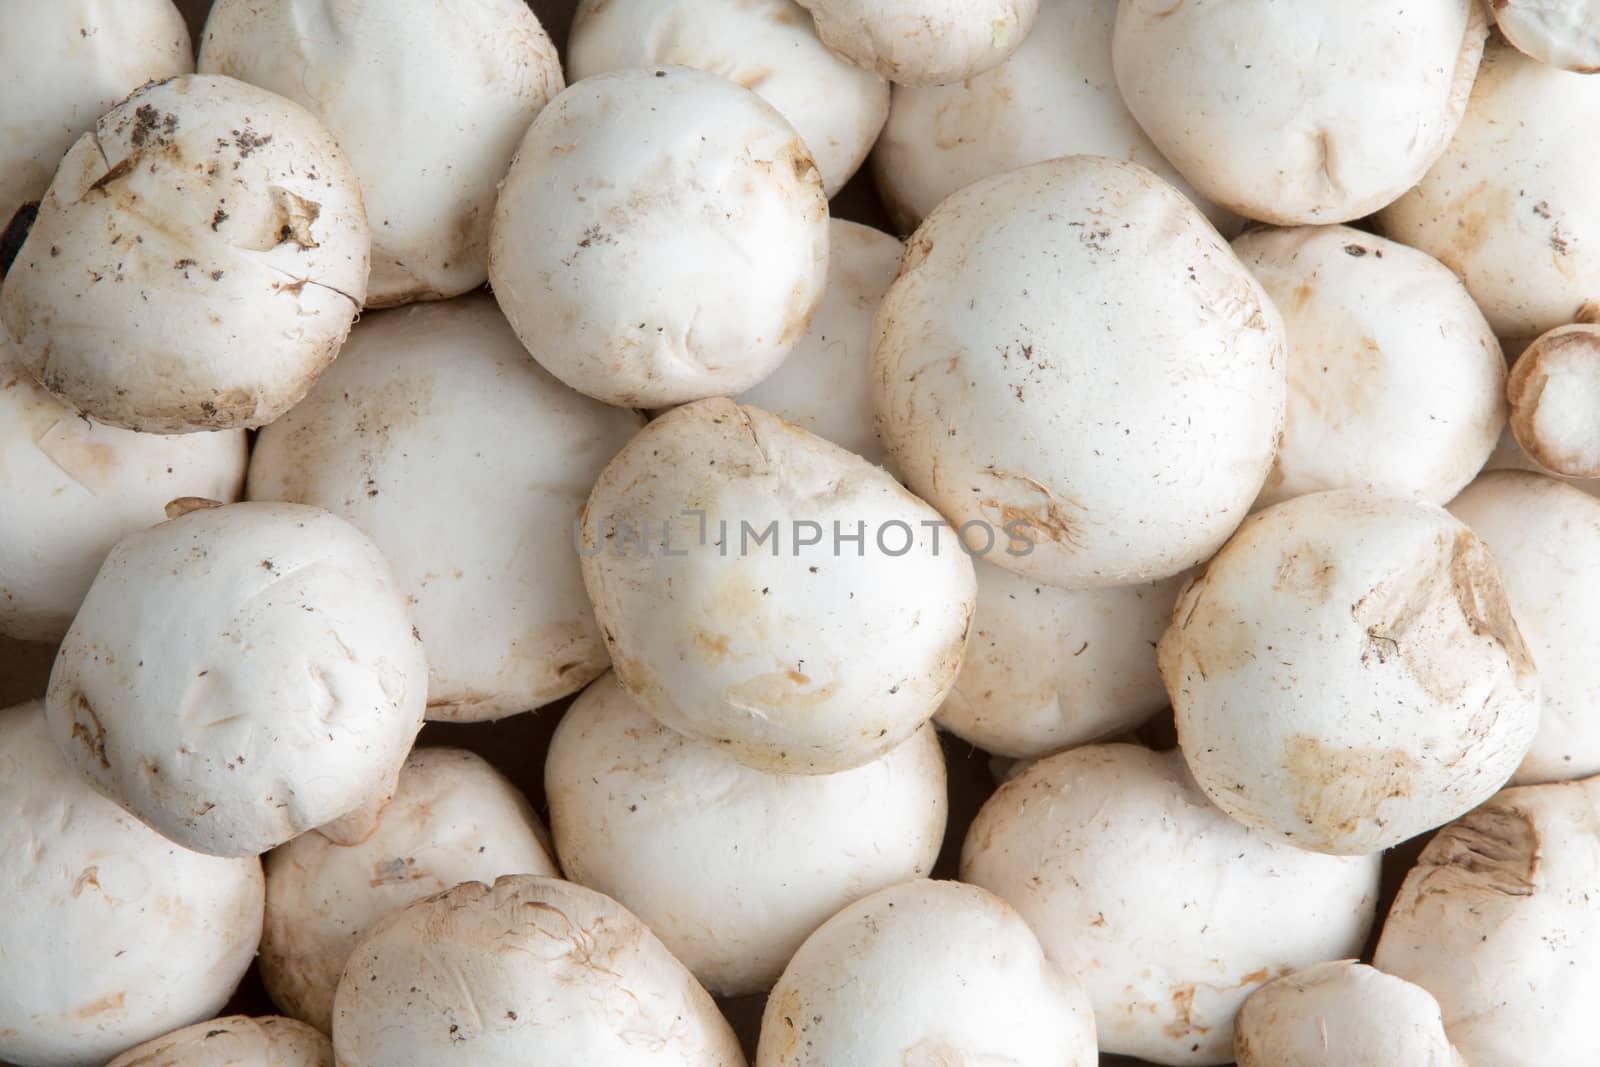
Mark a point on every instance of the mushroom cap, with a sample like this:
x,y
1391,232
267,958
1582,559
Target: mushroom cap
x,y
1555,401
196,263
113,935
240,675
730,866
946,973
531,970
1396,382
480,538
924,42
1316,115
235,1041
429,109
1120,435
799,658
1347,672
1509,456
638,203
1169,912
768,46
1561,33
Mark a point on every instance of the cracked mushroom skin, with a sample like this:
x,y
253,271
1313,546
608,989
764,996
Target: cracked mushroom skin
x,y
730,866
924,42
637,203
235,1041
240,675
196,263
1293,114
947,973
732,616
1115,437
1498,921
428,107
1555,401
392,439
1347,673
453,819
1169,912
1560,33
530,970
111,934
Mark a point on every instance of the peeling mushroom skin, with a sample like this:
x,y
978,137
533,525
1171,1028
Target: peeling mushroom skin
x,y
111,935
1169,912
531,970
638,204
1498,921
1348,674
1113,437
924,42
235,1041
799,658
768,46
1555,401
1561,33
195,264
240,675
392,439
925,974
1396,383
428,107
730,866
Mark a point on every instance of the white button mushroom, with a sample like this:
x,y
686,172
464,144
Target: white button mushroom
x,y
662,237
926,973
393,438
196,263
1555,401
1119,433
1509,456
110,935
768,46
730,866
763,589
1562,33
1169,912
1396,382
428,101
924,42
1348,673
1294,114
240,675
236,1041
532,970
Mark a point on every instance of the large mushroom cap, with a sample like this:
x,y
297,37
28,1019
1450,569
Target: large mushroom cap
x,y
924,42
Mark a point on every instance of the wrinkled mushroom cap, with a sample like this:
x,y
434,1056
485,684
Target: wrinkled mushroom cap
x,y
924,42
235,1041
1555,401
1562,33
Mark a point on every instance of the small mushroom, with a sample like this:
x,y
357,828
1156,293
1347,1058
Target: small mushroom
x,y
1555,401
1562,33
235,1041
924,42
1509,456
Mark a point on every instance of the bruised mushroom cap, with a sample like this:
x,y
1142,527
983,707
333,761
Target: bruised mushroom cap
x,y
763,589
640,204
926,973
1347,673
236,1041
453,819
767,46
393,439
1169,912
1294,114
1341,1014
730,866
1561,33
429,109
1396,382
1555,401
531,970
240,675
112,934
196,263
1497,920
924,42
1120,435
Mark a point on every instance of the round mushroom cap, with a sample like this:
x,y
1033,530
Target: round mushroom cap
x,y
768,46
730,866
638,205
1396,382
926,973
112,934
196,263
1347,673
924,42
235,1041
240,675
531,970
1561,33
1555,401
765,590
1290,113
1169,912
429,108
1116,437
466,463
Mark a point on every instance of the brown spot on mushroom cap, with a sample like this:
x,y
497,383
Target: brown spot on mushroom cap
x,y
1337,788
87,730
1494,850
